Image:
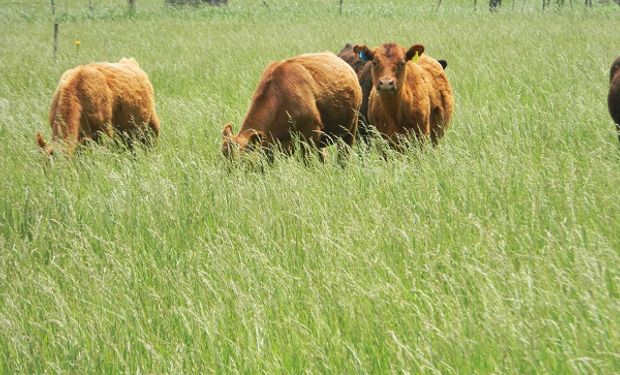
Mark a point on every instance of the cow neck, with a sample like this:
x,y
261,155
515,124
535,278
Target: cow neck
x,y
393,103
259,117
255,121
262,112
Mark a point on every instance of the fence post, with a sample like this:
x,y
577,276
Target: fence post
x,y
132,5
55,53
494,5
55,39
341,7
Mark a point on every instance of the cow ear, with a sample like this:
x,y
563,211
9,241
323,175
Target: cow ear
x,y
416,49
363,52
227,131
256,138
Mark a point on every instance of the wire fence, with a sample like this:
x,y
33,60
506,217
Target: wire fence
x,y
144,5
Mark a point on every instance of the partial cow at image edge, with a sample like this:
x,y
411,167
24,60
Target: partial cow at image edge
x,y
613,98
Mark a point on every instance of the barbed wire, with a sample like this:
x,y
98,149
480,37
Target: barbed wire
x,y
68,3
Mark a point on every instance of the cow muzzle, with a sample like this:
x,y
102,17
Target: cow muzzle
x,y
387,85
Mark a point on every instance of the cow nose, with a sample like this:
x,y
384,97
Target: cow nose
x,y
386,84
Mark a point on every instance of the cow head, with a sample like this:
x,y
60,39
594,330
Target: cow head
x,y
246,140
615,69
389,63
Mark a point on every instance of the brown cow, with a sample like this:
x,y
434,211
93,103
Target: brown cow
x,y
362,68
613,99
407,97
314,96
102,98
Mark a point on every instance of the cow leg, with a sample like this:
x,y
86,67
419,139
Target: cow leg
x,y
398,141
314,143
435,137
309,148
312,134
94,126
422,131
344,145
69,125
152,135
341,127
437,126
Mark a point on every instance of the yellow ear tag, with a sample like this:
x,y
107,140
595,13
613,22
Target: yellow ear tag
x,y
416,58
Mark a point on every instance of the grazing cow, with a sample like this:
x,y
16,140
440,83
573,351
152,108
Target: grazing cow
x,y
410,93
315,97
613,99
102,98
362,68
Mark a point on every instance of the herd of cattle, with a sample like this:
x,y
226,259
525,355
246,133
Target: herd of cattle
x,y
319,98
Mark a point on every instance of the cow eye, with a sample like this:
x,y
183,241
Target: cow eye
x,y
401,64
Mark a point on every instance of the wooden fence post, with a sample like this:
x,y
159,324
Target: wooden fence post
x,y
132,5
55,40
55,53
341,7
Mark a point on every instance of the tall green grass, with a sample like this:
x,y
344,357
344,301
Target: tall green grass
x,y
497,252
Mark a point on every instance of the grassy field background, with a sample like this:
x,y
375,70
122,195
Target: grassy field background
x,y
498,252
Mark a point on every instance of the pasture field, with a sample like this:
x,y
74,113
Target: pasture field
x,y
497,252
